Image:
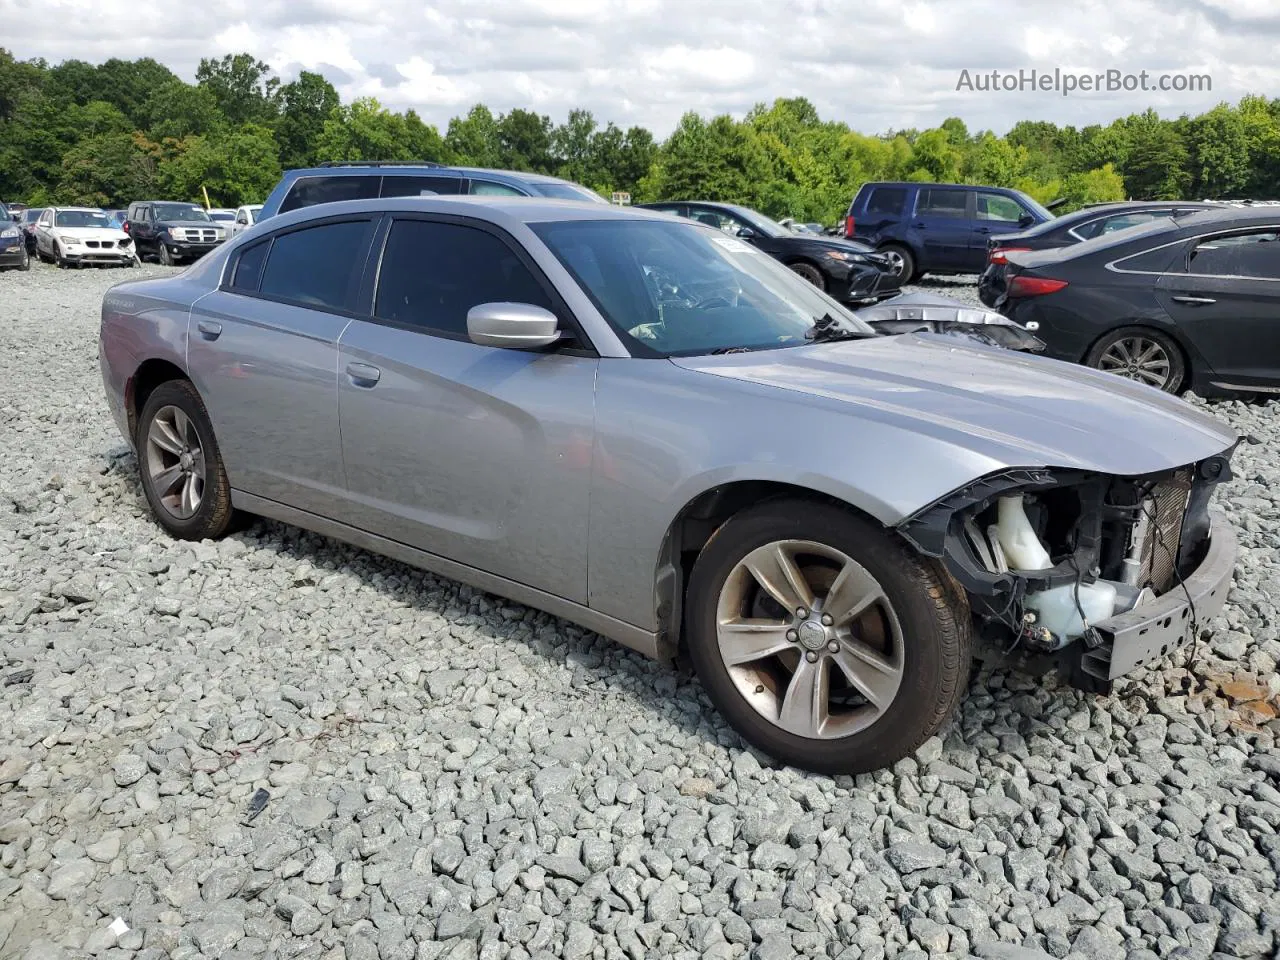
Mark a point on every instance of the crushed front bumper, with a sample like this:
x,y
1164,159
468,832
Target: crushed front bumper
x,y
1151,631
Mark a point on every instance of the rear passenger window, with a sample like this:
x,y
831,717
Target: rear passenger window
x,y
433,273
941,203
318,266
249,266
309,191
487,188
1252,255
887,200
419,186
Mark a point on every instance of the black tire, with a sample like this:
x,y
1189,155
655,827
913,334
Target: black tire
x,y
42,256
906,262
933,614
165,256
1111,347
25,263
809,272
215,515
58,257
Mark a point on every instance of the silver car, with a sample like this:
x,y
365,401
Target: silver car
x,y
649,428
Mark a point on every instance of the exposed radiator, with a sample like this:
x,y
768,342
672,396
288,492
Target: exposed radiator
x,y
1165,508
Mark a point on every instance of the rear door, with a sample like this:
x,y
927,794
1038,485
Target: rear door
x,y
474,453
1225,298
882,208
262,351
943,222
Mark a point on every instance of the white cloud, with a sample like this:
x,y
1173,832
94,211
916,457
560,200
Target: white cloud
x,y
877,65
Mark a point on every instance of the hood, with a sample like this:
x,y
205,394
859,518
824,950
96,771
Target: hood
x,y
1016,409
835,243
92,233
192,224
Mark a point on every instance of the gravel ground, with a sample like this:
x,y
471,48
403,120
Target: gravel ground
x,y
280,746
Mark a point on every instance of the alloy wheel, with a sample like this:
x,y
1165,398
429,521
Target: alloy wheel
x,y
1138,358
175,462
810,639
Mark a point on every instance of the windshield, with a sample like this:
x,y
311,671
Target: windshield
x,y
81,218
567,191
31,215
760,222
180,211
674,289
1031,204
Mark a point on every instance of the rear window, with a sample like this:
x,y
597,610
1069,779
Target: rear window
x,y
887,201
318,266
419,186
568,191
942,203
309,191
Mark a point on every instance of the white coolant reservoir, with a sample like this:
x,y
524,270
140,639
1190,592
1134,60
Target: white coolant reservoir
x,y
1056,609
1022,548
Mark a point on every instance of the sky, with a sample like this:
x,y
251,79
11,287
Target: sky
x,y
875,64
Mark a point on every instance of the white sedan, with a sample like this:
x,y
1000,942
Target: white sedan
x,y
73,236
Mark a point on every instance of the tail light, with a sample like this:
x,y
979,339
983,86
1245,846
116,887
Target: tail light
x,y
125,226
1022,286
848,226
1000,254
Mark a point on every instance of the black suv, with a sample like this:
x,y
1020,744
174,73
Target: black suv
x,y
172,232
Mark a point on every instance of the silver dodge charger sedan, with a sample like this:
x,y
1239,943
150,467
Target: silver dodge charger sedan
x,y
652,429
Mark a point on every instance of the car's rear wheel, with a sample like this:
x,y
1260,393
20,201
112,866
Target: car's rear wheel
x,y
824,641
182,473
1141,354
902,261
810,273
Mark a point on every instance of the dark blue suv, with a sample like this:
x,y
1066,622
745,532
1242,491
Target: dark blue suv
x,y
365,180
937,227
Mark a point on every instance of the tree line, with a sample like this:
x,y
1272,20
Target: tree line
x,y
105,134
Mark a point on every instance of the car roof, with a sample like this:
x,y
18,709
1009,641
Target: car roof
x,y
409,169
917,183
76,209
494,209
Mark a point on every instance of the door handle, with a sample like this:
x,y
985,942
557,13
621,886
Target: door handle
x,y
209,329
983,229
919,224
363,375
1194,301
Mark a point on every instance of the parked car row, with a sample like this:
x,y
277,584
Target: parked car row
x,y
1188,299
649,425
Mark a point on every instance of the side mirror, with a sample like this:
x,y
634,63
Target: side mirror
x,y
746,233
516,326
1026,220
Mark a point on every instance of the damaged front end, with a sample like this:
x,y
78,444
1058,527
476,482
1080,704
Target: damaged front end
x,y
930,313
1104,572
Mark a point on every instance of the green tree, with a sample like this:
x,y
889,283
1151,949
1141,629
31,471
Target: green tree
x,y
524,140
244,88
473,140
107,169
235,167
305,104
365,130
175,110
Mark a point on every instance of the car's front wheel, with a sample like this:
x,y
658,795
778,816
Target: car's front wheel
x,y
823,640
166,256
25,262
181,469
809,272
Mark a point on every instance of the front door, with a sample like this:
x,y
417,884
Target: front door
x,y
478,454
263,352
1225,298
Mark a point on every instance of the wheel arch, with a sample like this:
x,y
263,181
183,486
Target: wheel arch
x,y
696,523
149,375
